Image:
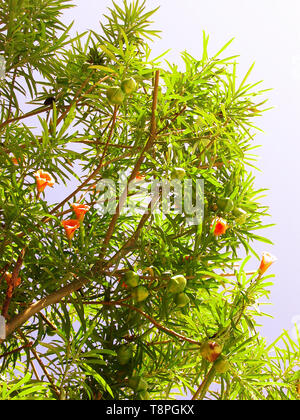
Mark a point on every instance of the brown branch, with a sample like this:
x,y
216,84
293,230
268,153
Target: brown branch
x,y
27,115
136,168
135,236
153,321
36,307
56,296
93,174
16,350
77,98
12,283
174,118
203,388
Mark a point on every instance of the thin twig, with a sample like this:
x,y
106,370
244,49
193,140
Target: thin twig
x,y
153,321
29,344
136,168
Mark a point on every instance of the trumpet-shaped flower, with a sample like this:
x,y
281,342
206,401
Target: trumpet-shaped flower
x,y
43,179
80,210
220,226
70,226
266,260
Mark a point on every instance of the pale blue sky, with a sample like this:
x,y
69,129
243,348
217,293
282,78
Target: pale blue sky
x,y
267,32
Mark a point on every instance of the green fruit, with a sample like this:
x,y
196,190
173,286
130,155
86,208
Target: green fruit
x,y
140,293
131,279
124,354
115,96
225,204
178,173
144,395
210,350
138,383
241,215
181,300
176,284
221,365
238,211
128,86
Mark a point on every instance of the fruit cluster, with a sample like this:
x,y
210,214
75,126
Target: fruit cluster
x,y
116,94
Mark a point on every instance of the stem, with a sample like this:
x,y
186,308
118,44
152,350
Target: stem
x,y
12,282
203,388
93,174
136,168
29,344
36,307
153,321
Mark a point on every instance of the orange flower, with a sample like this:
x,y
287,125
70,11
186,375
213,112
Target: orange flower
x,y
15,160
80,210
220,226
43,179
139,177
70,226
266,261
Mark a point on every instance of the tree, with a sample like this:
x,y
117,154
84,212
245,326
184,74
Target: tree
x,y
103,297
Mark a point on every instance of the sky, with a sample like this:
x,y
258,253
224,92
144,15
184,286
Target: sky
x,y
266,32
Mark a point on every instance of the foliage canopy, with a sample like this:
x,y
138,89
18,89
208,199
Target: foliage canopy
x,y
81,324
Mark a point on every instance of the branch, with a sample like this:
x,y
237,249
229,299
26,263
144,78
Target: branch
x,y
153,321
36,307
93,174
136,168
203,388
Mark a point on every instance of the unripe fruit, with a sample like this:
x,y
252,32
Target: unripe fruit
x,y
124,354
176,284
128,86
238,212
139,293
181,300
222,365
241,215
210,350
178,173
225,204
115,95
131,279
138,383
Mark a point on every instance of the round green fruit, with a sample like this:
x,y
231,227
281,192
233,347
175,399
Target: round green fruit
x,y
176,284
115,96
225,204
241,215
210,350
138,383
178,173
124,354
131,279
181,300
128,86
221,365
140,293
